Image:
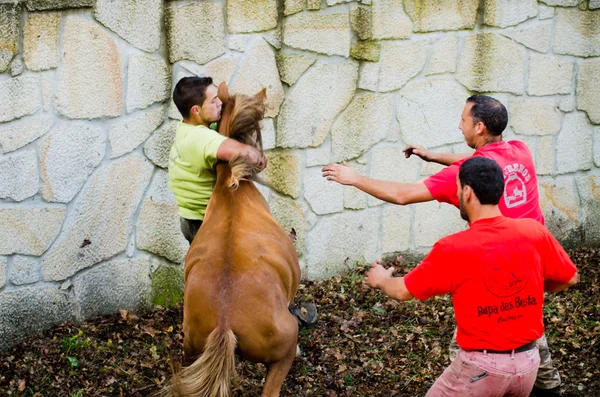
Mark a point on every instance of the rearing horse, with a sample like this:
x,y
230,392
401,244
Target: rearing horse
x,y
241,273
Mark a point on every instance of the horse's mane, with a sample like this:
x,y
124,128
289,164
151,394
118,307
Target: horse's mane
x,y
245,126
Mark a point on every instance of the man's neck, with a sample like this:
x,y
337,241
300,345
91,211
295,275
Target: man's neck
x,y
194,123
484,212
487,139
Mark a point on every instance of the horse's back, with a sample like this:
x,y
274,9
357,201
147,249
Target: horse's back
x,y
245,237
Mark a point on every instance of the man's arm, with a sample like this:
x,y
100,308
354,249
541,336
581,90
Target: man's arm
x,y
427,155
392,192
231,148
556,286
382,279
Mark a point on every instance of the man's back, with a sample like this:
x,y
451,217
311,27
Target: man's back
x,y
497,284
520,198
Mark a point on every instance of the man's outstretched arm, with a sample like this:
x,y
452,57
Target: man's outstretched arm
x,y
427,155
392,192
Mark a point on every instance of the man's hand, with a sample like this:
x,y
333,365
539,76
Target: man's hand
x,y
262,162
420,151
378,274
256,157
340,173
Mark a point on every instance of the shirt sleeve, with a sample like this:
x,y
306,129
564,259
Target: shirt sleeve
x,y
442,185
432,276
211,147
557,264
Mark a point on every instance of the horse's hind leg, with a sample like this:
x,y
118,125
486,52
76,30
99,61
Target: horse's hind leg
x,y
276,374
191,351
277,371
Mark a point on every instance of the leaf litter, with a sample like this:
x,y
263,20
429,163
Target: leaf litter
x,y
363,345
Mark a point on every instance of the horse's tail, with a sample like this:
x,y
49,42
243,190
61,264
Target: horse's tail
x,y
210,375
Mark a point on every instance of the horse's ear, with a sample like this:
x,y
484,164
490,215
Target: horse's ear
x,y
262,94
223,92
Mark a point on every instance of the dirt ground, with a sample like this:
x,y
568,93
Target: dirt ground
x,y
363,345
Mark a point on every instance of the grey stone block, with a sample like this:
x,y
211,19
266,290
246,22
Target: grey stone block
x,y
26,311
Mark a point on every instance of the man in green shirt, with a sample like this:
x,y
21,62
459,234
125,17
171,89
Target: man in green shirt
x,y
196,150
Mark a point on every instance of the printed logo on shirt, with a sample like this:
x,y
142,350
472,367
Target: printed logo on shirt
x,y
503,276
515,176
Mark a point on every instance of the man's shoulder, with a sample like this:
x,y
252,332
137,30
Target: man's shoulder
x,y
507,152
452,241
501,145
524,228
197,133
518,145
523,222
185,127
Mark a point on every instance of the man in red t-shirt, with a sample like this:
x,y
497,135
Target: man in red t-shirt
x,y
496,272
482,122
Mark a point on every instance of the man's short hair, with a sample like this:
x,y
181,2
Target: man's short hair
x,y
490,111
190,91
485,178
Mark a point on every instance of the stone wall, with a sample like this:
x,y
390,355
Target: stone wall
x,y
88,225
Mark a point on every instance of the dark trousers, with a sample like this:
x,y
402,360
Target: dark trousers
x,y
189,228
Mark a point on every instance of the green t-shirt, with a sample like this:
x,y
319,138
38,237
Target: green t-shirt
x,y
192,174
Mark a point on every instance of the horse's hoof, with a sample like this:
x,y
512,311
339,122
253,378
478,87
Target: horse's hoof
x,y
305,314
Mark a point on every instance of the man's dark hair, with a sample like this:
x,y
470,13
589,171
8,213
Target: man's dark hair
x,y
485,178
490,111
190,91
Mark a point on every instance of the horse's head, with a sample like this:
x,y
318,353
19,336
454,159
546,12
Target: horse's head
x,y
241,118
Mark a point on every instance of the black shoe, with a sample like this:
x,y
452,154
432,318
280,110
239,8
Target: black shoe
x,y
305,314
538,392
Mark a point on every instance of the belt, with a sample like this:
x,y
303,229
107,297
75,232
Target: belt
x,y
519,349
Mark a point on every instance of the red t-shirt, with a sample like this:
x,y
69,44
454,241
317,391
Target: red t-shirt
x,y
495,272
520,199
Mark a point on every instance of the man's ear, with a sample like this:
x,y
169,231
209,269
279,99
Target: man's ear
x,y
261,95
480,127
467,193
223,92
195,110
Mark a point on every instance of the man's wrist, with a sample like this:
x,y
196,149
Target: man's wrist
x,y
359,181
382,284
433,157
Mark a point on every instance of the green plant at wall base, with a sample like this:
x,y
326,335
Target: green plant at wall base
x,y
73,343
167,286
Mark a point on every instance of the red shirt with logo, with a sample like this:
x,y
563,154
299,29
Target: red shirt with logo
x,y
520,198
495,273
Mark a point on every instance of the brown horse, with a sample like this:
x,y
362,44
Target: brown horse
x,y
241,273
